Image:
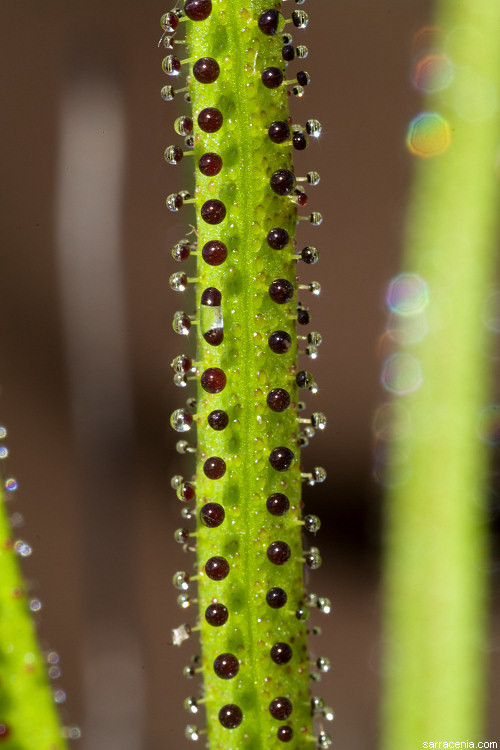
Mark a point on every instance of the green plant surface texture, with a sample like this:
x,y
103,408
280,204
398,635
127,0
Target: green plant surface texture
x,y
436,563
232,37
27,707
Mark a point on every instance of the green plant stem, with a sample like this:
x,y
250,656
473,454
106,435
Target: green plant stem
x,y
435,567
232,37
27,706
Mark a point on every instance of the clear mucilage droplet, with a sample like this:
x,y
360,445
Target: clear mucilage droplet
x,y
300,19
324,605
312,523
178,281
318,420
183,125
192,733
314,338
313,128
183,601
173,154
167,93
211,323
181,364
181,323
181,580
181,250
324,741
183,447
191,705
181,536
176,481
313,558
318,475
324,664
180,380
174,202
181,420
171,65
317,704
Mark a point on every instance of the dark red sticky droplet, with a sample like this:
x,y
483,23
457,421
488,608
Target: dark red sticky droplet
x,y
216,614
272,78
210,164
206,70
213,380
214,467
278,504
217,568
212,515
280,708
214,337
278,238
4,731
281,458
281,291
269,21
226,666
285,734
278,553
280,342
278,399
288,52
213,211
281,653
214,253
211,297
282,181
279,131
210,119
276,598
198,10
230,716
218,419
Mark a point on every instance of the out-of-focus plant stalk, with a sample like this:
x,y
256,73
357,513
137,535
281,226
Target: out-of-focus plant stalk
x,y
28,715
436,557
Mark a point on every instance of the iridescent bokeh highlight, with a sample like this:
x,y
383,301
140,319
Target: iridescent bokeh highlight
x,y
429,134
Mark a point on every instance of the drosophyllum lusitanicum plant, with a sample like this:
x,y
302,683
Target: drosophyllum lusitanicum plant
x,y
243,587
244,519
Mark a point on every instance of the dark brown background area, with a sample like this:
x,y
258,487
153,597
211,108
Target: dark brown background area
x,y
99,510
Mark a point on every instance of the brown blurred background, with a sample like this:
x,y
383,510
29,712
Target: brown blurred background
x,y
86,341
